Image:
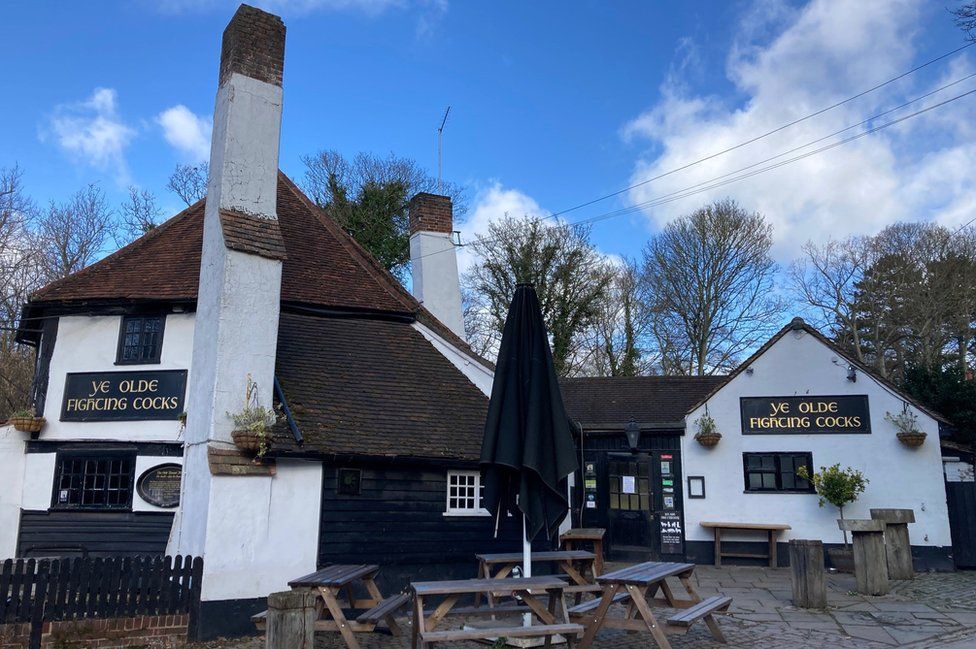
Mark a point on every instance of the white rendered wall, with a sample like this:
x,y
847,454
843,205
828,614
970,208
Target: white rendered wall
x,y
90,344
263,531
435,277
477,373
11,488
798,365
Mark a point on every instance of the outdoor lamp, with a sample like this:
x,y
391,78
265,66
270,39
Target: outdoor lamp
x,y
851,374
633,435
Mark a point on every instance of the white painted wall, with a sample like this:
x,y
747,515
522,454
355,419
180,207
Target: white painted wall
x,y
263,531
799,364
477,373
11,487
436,285
90,344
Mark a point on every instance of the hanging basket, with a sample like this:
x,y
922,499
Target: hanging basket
x,y
28,424
708,440
248,441
912,439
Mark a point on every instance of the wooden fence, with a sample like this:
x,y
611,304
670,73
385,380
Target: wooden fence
x,y
43,590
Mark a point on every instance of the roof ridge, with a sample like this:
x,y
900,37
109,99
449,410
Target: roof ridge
x,y
124,251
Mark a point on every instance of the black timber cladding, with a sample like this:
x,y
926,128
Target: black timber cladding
x,y
87,533
398,522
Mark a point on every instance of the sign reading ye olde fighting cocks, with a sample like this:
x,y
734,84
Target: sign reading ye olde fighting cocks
x,y
123,396
805,415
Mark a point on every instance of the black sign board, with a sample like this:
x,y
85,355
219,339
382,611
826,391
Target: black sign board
x,y
805,415
672,536
160,485
123,396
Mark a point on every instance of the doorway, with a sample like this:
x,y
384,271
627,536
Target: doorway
x,y
644,505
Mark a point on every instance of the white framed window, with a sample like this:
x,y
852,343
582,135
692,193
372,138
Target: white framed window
x,y
464,494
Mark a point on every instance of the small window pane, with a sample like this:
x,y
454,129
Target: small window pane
x,y
141,339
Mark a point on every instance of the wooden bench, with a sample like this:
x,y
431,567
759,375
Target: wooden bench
x,y
703,610
593,604
771,529
535,631
386,610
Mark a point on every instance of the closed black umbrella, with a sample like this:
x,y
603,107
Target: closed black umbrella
x,y
528,448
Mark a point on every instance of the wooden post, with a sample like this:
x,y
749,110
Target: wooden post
x,y
807,566
291,620
870,562
898,547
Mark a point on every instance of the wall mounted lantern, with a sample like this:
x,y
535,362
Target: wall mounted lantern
x,y
851,374
633,435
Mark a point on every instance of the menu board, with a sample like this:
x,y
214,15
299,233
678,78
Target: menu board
x,y
672,536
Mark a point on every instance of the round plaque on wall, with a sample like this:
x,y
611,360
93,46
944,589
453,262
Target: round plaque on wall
x,y
160,485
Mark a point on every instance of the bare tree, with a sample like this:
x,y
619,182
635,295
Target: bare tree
x,y
19,276
189,182
966,18
826,280
368,197
73,234
710,282
620,326
569,275
138,215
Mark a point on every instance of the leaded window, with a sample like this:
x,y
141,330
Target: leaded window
x,y
140,339
777,471
90,481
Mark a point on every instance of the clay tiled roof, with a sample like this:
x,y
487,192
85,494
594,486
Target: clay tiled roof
x,y
374,387
323,265
612,402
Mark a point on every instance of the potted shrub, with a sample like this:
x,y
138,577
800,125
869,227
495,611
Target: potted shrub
x,y
839,487
906,423
252,424
26,422
707,432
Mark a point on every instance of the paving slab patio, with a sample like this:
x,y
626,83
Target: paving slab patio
x,y
935,610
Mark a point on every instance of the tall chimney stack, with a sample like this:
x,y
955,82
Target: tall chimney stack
x,y
433,259
236,322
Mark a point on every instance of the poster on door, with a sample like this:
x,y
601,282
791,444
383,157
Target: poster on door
x,y
672,536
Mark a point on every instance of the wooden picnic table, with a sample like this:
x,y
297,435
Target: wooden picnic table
x,y
578,565
771,529
552,616
570,539
637,588
331,583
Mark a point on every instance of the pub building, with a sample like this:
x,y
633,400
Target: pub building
x,y
799,401
256,297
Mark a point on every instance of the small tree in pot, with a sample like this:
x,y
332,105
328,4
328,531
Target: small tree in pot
x,y
839,487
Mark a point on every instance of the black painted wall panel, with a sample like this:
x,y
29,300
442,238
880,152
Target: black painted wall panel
x,y
93,533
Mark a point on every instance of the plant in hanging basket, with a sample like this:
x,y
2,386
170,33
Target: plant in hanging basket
x,y
26,422
252,424
906,423
707,435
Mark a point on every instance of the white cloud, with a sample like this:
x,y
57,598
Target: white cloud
x,y
92,132
490,204
186,132
795,62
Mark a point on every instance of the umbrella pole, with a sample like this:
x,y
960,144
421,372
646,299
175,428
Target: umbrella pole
x,y
526,562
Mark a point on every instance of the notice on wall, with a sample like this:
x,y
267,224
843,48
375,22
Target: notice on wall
x,y
806,415
160,485
672,536
628,484
123,396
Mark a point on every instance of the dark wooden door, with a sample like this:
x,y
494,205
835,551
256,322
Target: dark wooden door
x,y
630,505
961,499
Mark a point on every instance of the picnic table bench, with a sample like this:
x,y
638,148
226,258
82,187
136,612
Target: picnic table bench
x,y
552,615
570,539
330,584
577,565
637,587
772,530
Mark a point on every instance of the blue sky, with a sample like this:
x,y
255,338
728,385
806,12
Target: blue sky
x,y
553,103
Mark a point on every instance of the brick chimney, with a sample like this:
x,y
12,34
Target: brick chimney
x,y
236,322
433,259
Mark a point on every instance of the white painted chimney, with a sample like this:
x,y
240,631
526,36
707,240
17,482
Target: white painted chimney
x,y
433,259
236,323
